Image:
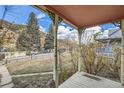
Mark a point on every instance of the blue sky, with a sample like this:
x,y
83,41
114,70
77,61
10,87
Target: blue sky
x,y
19,15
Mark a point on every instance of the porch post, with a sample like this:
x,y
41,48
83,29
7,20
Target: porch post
x,y
122,53
80,57
55,66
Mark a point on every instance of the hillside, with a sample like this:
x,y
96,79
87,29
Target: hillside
x,y
10,33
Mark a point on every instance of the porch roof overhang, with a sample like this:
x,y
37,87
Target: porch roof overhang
x,y
84,16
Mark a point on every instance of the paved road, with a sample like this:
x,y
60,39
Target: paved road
x,y
38,57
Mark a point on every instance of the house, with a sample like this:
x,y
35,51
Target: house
x,y
81,18
114,36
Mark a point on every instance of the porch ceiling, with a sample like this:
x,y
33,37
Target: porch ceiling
x,y
83,16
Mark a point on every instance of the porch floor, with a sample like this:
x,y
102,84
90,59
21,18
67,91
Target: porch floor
x,y
85,80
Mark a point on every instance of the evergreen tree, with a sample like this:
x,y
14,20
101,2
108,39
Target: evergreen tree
x,y
49,40
29,40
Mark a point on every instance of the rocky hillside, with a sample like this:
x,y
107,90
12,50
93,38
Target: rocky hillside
x,y
11,31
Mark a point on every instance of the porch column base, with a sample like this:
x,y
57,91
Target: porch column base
x,y
122,79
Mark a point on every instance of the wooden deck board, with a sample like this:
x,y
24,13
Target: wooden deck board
x,y
79,80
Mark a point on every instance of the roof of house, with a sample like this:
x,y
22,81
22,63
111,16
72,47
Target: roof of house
x,y
115,34
84,16
112,34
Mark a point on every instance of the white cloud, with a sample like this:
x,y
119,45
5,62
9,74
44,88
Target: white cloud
x,y
93,30
24,24
41,16
106,33
62,23
42,29
62,30
87,36
65,32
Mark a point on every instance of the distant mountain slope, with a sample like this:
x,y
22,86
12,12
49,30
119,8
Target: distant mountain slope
x,y
17,29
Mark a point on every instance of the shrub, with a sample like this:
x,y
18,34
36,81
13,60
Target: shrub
x,y
64,75
116,64
74,58
68,61
92,61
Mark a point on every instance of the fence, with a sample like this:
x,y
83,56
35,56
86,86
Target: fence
x,y
37,57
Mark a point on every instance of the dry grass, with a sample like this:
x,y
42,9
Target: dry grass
x,y
38,81
17,68
36,67
47,65
30,67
